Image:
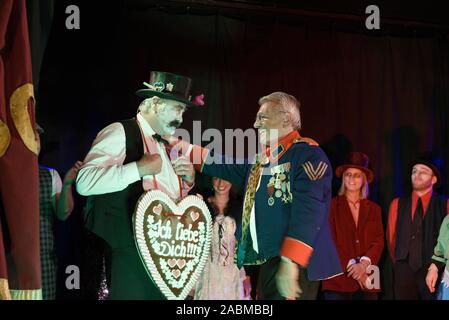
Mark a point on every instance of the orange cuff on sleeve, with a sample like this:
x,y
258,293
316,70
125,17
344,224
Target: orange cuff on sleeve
x,y
297,251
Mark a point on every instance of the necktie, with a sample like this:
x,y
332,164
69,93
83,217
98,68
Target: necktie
x,y
244,245
415,251
159,139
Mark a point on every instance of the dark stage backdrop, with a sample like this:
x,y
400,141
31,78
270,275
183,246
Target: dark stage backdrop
x,y
385,95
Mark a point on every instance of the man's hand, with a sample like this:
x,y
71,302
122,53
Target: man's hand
x,y
63,200
149,164
431,278
184,168
287,280
70,176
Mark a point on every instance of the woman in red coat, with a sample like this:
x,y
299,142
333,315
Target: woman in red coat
x,y
356,226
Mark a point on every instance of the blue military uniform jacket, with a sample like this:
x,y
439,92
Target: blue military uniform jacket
x,y
292,204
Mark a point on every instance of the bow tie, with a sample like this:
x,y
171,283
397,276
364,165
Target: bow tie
x,y
159,139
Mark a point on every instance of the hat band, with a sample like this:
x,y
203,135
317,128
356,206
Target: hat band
x,y
165,88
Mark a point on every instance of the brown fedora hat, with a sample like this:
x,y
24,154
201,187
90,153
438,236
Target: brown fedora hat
x,y
356,160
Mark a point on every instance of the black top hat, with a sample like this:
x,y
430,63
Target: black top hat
x,y
359,161
170,86
432,161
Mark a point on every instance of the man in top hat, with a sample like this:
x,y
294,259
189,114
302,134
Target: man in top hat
x,y
412,231
287,197
127,158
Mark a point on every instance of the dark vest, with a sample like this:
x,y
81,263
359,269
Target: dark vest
x,y
427,230
110,215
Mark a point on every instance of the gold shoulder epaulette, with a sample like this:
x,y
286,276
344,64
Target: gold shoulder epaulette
x,y
309,141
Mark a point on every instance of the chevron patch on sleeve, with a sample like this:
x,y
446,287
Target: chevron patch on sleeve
x,y
315,173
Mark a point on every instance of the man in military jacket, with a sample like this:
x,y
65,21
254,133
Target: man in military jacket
x,y
284,226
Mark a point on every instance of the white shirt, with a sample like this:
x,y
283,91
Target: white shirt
x,y
252,221
103,170
56,185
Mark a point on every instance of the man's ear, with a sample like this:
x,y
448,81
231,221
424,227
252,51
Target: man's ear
x,y
434,180
154,106
147,105
287,119
157,105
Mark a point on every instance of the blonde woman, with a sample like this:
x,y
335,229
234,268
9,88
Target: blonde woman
x,y
356,226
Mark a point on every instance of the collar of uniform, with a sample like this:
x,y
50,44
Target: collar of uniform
x,y
277,151
146,128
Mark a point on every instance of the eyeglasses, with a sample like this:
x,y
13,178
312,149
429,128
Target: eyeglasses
x,y
353,175
262,117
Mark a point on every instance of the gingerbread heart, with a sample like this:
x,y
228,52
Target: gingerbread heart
x,y
176,273
181,263
172,262
157,209
173,240
194,215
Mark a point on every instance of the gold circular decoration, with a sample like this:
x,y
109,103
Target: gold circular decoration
x,y
5,138
19,113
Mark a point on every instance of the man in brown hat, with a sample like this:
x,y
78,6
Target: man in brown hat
x,y
126,159
412,230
